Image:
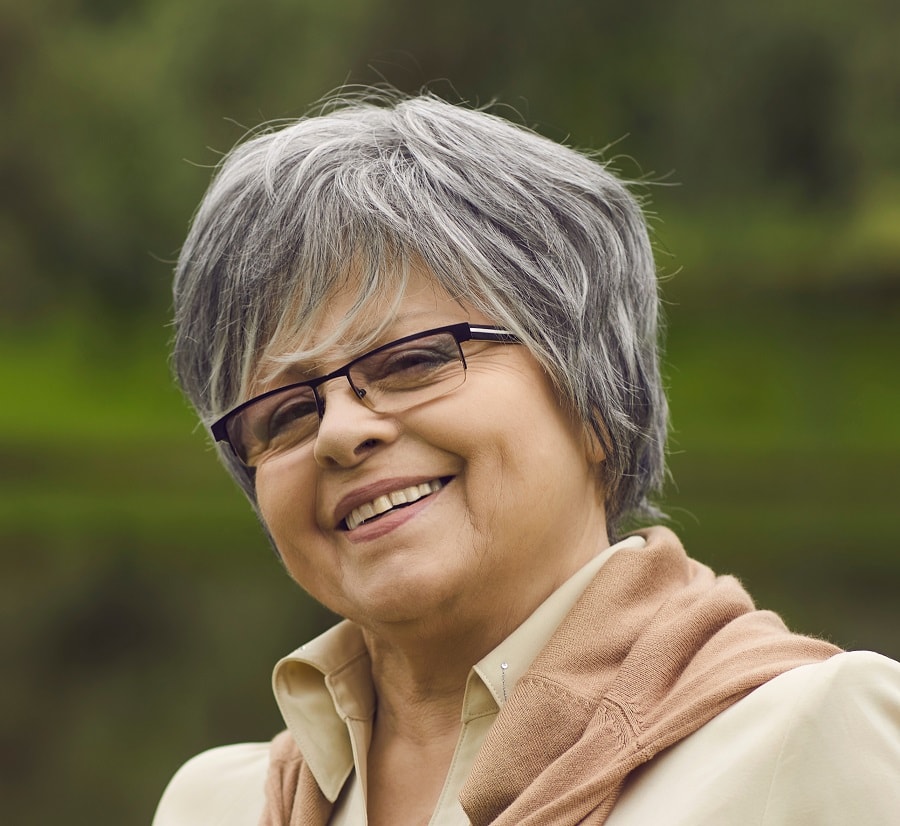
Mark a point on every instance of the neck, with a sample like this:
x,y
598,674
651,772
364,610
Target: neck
x,y
420,667
420,684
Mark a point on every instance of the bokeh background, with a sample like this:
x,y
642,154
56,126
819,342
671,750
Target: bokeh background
x,y
141,607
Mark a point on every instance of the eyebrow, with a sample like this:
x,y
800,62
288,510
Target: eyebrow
x,y
298,372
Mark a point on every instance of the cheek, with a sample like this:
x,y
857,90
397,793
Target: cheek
x,y
287,508
286,498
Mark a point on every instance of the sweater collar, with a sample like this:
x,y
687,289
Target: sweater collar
x,y
656,646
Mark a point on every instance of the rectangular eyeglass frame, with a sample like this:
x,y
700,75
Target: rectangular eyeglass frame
x,y
462,331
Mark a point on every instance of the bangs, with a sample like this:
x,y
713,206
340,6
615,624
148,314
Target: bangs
x,y
377,281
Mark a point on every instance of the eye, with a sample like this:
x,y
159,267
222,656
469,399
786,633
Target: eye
x,y
415,364
287,418
422,359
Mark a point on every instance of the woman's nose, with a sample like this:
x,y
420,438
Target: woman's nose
x,y
349,430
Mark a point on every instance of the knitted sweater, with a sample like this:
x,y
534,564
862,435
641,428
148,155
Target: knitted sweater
x,y
657,646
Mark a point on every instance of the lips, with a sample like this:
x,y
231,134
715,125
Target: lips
x,y
390,500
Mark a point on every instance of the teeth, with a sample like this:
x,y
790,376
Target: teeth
x,y
383,504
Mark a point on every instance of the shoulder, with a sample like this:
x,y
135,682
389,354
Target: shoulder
x,y
221,787
839,751
850,670
846,686
819,744
851,700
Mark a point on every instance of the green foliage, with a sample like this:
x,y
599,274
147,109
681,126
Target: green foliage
x,y
116,112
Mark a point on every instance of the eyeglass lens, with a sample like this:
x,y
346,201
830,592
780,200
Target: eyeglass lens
x,y
387,380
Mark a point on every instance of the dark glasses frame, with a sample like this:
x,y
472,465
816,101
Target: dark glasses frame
x,y
461,332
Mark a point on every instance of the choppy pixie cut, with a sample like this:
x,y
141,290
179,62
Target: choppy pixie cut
x,y
543,239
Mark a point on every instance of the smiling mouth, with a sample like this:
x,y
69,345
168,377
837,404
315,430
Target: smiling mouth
x,y
388,502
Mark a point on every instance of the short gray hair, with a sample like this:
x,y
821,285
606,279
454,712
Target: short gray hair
x,y
543,239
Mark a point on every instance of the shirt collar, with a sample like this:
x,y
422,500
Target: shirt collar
x,y
320,688
502,668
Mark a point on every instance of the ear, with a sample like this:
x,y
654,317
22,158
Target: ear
x,y
594,444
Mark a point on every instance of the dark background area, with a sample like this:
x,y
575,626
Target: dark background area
x,y
141,607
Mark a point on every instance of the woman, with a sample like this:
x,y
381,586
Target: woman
x,y
425,341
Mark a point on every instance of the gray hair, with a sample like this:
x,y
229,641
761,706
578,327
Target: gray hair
x,y
543,239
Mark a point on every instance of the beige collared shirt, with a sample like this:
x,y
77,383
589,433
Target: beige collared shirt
x,y
325,693
324,690
819,744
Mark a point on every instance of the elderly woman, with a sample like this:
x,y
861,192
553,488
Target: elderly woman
x,y
425,342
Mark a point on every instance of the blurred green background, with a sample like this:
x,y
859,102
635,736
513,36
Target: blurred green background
x,y
141,607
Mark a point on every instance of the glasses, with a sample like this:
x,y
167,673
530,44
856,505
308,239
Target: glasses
x,y
389,379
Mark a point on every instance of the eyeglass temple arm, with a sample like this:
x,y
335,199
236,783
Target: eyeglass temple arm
x,y
492,334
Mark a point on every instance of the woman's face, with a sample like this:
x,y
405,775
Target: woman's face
x,y
516,509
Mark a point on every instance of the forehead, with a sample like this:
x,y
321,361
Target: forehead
x,y
355,317
362,318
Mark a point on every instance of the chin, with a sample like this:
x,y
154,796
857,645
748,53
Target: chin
x,y
399,601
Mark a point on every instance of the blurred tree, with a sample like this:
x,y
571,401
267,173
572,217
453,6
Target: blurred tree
x,y
800,112
104,100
